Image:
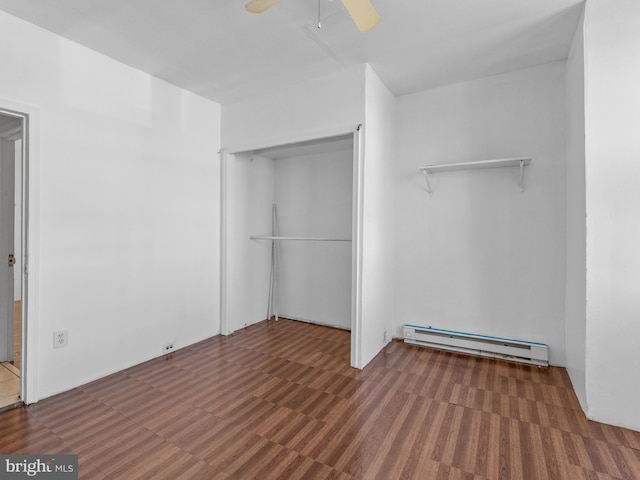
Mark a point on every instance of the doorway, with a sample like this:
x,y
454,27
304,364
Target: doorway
x,y
313,238
12,135
312,222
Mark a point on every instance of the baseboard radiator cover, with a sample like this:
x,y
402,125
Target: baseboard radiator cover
x,y
534,353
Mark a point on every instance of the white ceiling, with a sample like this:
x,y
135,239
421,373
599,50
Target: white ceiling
x,y
218,50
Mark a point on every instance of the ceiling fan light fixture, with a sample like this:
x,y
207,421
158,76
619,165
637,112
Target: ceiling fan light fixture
x,y
363,14
259,6
361,11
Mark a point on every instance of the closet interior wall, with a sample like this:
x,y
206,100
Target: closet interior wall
x,y
312,188
250,194
313,197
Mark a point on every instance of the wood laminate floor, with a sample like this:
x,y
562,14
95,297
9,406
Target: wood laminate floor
x,y
279,401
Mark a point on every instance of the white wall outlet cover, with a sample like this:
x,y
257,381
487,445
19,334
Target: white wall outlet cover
x,y
60,338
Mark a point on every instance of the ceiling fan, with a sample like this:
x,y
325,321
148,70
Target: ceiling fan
x,y
362,12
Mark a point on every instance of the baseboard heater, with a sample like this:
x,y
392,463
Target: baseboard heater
x,y
504,348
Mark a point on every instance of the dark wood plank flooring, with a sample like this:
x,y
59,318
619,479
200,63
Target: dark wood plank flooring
x,y
279,401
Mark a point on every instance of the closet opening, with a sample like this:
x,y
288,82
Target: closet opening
x,y
290,236
13,291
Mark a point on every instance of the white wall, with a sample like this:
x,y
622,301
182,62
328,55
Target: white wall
x,y
7,164
128,210
377,219
612,79
250,187
478,255
576,219
314,195
17,238
325,106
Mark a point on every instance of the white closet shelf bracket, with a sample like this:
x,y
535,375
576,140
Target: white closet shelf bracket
x,y
520,162
426,174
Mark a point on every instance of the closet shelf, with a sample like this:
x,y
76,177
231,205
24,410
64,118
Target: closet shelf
x,y
309,239
502,162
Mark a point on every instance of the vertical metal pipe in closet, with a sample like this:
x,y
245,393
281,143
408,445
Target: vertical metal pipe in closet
x,y
272,308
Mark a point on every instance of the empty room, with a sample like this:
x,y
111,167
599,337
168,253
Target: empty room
x,y
319,239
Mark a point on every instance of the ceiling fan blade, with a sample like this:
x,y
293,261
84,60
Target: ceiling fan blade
x,y
259,6
363,14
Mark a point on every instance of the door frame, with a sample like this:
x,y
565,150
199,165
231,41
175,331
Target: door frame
x,y
357,224
29,238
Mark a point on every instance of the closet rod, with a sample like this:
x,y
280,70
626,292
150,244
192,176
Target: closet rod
x,y
311,239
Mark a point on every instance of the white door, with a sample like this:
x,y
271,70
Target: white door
x,y
7,210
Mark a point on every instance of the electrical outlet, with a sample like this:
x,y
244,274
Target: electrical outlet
x,y
60,339
168,348
384,337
